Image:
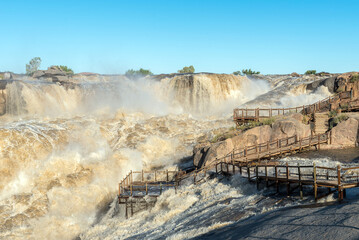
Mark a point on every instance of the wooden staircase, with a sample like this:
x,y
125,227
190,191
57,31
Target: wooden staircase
x,y
321,122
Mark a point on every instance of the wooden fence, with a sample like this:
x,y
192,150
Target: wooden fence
x,y
254,114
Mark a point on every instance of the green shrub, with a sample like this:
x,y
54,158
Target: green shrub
x,y
268,121
66,69
305,119
245,72
249,72
355,77
189,69
344,106
138,73
340,118
337,119
332,114
223,136
308,72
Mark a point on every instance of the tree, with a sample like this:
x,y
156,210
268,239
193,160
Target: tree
x,y
66,69
138,73
310,72
33,65
246,72
189,69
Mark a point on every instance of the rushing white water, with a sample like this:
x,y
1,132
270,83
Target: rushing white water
x,y
63,150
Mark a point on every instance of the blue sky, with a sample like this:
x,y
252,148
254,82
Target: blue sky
x,y
271,36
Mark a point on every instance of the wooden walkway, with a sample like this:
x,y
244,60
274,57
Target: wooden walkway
x,y
337,179
276,148
140,184
242,115
139,190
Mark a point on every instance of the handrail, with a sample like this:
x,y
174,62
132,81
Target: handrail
x,y
281,111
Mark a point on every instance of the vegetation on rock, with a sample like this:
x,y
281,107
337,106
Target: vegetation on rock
x,y
33,65
336,118
309,72
138,73
66,69
246,72
234,131
189,69
354,78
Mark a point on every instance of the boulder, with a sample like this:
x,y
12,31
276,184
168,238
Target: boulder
x,y
217,150
199,153
345,134
294,74
55,73
252,136
297,116
328,82
8,75
289,127
55,70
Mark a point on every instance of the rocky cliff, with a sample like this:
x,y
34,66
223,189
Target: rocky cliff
x,y
345,134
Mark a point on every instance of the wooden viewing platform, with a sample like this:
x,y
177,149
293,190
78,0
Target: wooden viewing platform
x,y
338,178
242,115
139,184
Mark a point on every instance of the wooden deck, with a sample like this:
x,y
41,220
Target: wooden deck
x,y
242,115
337,178
140,184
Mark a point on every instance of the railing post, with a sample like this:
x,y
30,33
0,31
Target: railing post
x,y
287,176
318,142
257,177
340,191
266,173
315,182
167,175
330,137
300,183
276,177
143,179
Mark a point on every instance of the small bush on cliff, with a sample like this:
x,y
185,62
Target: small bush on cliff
x,y
138,73
336,119
66,69
332,114
308,72
189,69
245,72
33,65
355,77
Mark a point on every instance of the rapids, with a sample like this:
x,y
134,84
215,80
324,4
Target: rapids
x,y
63,149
